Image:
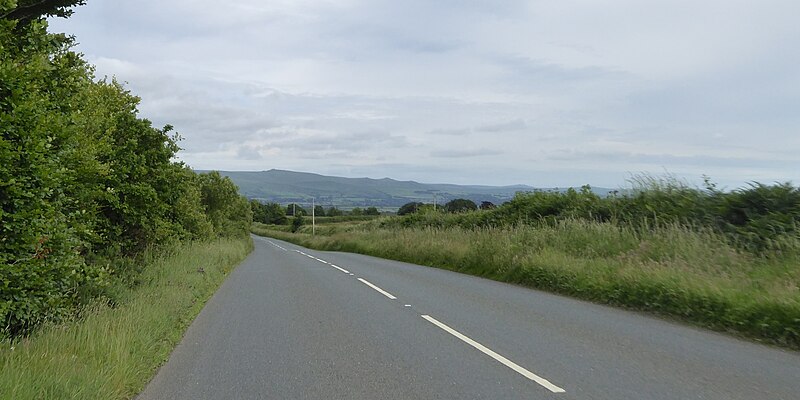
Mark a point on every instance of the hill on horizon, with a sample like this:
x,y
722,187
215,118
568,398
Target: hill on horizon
x,y
284,187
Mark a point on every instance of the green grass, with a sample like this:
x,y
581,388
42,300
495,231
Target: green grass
x,y
111,353
690,274
341,218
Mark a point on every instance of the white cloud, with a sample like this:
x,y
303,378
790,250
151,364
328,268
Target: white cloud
x,y
498,92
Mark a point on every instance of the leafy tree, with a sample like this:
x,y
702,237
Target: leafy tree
x,y
27,11
84,181
229,212
319,211
460,205
43,274
275,214
410,208
356,211
297,222
270,213
372,211
334,212
291,208
487,205
259,211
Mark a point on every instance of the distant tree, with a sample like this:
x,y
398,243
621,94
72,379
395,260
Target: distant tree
x,y
290,209
297,221
274,214
228,212
259,211
410,208
487,205
334,212
372,211
357,211
460,205
319,211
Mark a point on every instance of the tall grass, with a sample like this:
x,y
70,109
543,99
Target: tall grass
x,y
112,352
693,274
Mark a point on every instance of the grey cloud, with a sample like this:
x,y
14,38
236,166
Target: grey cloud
x,y
667,160
450,132
527,71
349,143
513,125
248,152
465,153
305,84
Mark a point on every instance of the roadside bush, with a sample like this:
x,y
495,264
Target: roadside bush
x,y
86,185
761,219
297,222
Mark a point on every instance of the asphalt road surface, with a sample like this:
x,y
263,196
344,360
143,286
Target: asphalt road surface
x,y
293,323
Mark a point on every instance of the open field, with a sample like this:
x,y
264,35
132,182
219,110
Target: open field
x,y
689,274
112,352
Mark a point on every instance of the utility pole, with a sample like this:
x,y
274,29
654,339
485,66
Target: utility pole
x,y
313,217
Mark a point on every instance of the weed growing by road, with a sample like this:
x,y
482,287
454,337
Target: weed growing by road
x,y
113,351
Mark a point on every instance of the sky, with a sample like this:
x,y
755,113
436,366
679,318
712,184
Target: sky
x,y
544,93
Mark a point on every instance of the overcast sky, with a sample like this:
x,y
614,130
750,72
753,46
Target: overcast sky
x,y
544,93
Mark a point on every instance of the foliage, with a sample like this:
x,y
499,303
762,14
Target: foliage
x,y
84,181
460,206
372,211
230,213
269,213
760,219
334,212
692,274
26,11
297,222
292,208
115,349
409,208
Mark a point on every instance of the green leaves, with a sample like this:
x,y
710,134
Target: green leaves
x,y
84,181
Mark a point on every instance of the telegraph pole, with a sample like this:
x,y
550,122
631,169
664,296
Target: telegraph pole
x,y
313,211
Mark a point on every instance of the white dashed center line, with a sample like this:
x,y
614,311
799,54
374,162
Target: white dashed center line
x,y
508,363
379,290
340,269
274,244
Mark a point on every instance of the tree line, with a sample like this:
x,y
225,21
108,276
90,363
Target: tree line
x,y
452,206
274,213
86,184
759,218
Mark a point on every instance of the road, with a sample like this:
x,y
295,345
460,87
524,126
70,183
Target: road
x,y
293,323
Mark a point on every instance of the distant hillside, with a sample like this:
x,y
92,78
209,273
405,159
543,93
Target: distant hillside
x,y
289,187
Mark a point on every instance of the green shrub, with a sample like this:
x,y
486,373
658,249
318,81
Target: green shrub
x,y
85,183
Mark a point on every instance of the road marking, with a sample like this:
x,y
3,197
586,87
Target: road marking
x,y
325,262
508,363
408,305
274,244
340,269
379,290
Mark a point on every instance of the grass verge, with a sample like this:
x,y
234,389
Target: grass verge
x,y
111,353
691,275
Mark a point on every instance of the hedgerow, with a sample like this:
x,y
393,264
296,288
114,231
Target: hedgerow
x,y
85,182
